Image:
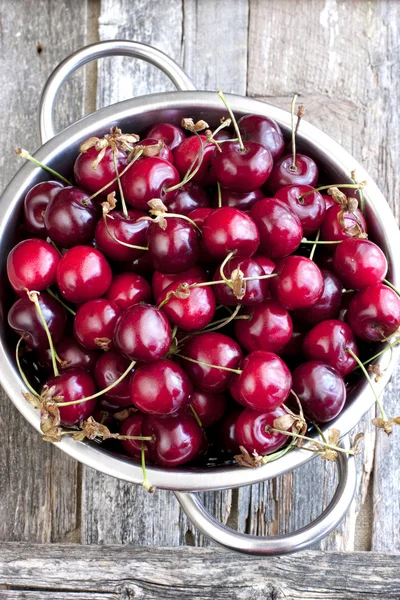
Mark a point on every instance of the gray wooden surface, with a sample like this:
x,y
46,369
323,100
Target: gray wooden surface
x,y
342,57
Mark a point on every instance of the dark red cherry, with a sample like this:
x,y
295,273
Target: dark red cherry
x,y
241,201
189,197
72,355
198,216
92,175
269,327
128,230
71,217
160,388
294,346
209,407
264,383
32,265
265,263
147,179
329,201
328,341
23,318
95,322
264,131
73,384
251,431
299,283
310,209
132,426
359,263
170,134
185,156
164,152
109,367
174,249
226,229
256,290
35,205
328,305
142,265
321,390
192,312
305,173
279,228
177,439
225,433
127,289
143,333
213,349
324,258
374,313
339,225
242,171
161,281
83,274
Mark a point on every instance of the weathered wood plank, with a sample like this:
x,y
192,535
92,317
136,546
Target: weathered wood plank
x,y
121,573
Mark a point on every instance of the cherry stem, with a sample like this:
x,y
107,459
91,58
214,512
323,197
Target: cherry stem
x,y
21,372
394,288
56,297
217,324
271,457
268,429
389,347
112,236
313,249
232,116
199,362
352,186
121,193
196,416
34,297
368,378
305,241
219,195
192,170
229,281
223,265
104,391
146,483
25,154
128,166
185,218
293,165
360,192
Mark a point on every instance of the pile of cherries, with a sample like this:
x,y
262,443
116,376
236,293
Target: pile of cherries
x,y
208,310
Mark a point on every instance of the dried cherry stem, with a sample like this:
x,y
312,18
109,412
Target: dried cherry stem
x,y
34,297
323,443
313,249
121,193
394,288
146,483
101,392
360,192
57,297
232,116
196,416
25,154
352,186
293,166
219,195
192,170
368,378
21,372
128,166
112,236
229,281
200,362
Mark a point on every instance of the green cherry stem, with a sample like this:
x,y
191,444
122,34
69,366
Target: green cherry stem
x,y
389,347
34,297
146,483
391,286
223,265
232,116
352,186
192,170
308,439
293,167
219,195
56,297
313,249
305,241
200,362
196,416
21,372
128,166
25,154
368,378
112,236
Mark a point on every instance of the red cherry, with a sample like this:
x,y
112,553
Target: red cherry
x,y
267,265
95,322
256,290
279,228
147,179
294,346
132,426
127,289
321,390
264,383
328,305
72,355
299,283
305,173
71,217
374,313
242,171
173,249
241,201
73,384
83,274
329,201
32,265
143,333
94,177
269,328
198,216
161,281
190,313
185,156
225,434
178,439
129,230
310,209
35,205
264,131
359,263
328,341
170,134
164,153
189,197
251,431
109,367
226,229
338,225
209,407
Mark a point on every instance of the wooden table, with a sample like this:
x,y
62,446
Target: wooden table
x,y
342,56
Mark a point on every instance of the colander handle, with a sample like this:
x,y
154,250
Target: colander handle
x,y
101,50
279,544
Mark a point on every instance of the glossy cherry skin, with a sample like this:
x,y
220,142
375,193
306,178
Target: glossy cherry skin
x,y
198,216
374,313
311,209
329,201
23,318
189,197
170,134
242,171
328,341
293,348
241,201
83,274
132,426
161,281
299,283
269,328
226,229
279,228
174,249
32,265
147,179
328,305
129,230
191,313
94,179
332,229
165,152
160,388
267,265
143,265
74,384
95,322
35,204
127,289
264,383
109,367
185,156
143,333
214,349
359,263
256,290
251,434
70,217
321,390
225,431
178,439
306,172
209,407
72,355
264,131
